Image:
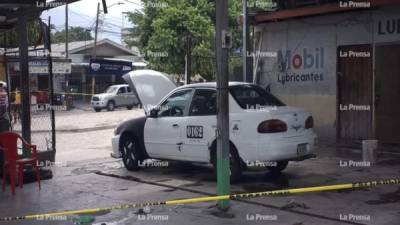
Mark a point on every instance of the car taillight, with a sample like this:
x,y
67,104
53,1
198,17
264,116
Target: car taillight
x,y
272,126
309,123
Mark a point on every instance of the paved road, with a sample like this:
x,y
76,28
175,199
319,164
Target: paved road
x,y
84,135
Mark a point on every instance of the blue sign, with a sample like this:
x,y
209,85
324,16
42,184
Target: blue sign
x,y
109,67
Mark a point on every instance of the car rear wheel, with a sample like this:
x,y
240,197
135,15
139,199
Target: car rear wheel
x,y
129,107
110,106
234,163
130,156
279,167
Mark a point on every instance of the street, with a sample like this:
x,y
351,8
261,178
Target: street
x,y
86,134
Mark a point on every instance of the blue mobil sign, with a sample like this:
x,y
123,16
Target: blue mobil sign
x,y
107,66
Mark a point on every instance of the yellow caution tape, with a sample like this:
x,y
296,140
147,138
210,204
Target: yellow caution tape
x,y
336,187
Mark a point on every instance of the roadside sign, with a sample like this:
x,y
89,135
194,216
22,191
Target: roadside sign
x,y
110,67
42,67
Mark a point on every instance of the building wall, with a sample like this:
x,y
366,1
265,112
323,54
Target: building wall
x,y
314,41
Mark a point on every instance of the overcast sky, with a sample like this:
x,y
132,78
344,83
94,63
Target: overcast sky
x,y
83,13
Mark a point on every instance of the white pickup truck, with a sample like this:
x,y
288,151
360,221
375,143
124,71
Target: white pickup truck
x,y
115,96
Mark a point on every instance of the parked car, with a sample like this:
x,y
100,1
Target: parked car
x,y
115,96
181,126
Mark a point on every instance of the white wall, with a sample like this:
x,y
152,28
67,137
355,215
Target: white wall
x,y
318,38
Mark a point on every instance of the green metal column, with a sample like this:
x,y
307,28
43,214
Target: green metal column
x,y
223,43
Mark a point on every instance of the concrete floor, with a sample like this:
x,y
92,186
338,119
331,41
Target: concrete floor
x,y
85,177
104,182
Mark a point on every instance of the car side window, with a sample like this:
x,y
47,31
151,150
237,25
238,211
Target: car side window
x,y
176,104
128,89
121,90
204,103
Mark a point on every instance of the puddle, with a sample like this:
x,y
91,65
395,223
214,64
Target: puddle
x,y
312,179
81,171
270,181
214,211
389,162
195,184
387,198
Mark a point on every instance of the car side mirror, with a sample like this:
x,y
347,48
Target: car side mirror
x,y
154,113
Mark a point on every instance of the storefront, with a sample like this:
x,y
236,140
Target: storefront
x,y
39,77
342,67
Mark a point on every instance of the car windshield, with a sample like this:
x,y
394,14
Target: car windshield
x,y
111,89
252,97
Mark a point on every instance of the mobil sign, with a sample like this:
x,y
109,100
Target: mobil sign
x,y
300,66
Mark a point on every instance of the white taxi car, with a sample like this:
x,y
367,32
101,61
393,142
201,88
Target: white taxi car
x,y
180,124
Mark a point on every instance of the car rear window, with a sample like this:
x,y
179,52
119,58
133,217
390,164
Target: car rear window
x,y
252,97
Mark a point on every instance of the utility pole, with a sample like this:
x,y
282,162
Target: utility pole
x,y
244,44
66,42
51,80
223,42
188,58
94,48
25,81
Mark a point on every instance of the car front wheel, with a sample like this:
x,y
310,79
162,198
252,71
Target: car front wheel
x,y
110,106
129,150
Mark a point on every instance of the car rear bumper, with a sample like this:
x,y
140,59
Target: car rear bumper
x,y
115,147
287,148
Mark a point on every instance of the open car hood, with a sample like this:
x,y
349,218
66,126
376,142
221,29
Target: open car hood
x,y
150,86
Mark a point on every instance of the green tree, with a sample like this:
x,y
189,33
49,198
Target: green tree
x,y
162,28
74,34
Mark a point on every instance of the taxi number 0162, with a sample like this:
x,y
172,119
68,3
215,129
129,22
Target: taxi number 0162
x,y
194,131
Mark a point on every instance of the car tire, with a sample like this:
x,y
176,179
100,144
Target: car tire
x,y
97,110
235,165
129,107
280,166
129,151
111,106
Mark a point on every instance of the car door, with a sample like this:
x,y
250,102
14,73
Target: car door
x,y
199,127
163,134
131,99
120,97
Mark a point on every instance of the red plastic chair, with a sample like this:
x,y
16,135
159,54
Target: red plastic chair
x,y
8,143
